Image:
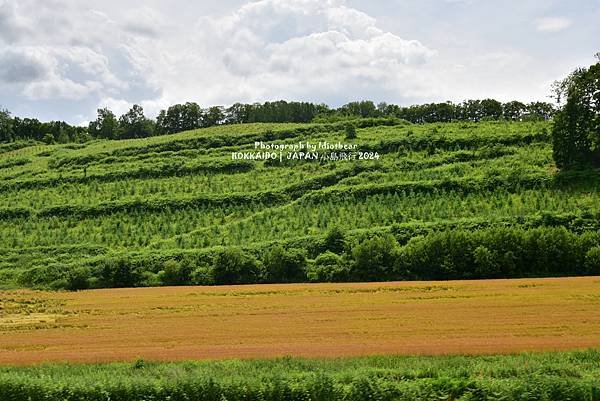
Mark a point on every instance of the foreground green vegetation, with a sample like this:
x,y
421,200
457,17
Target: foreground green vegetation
x,y
556,376
441,201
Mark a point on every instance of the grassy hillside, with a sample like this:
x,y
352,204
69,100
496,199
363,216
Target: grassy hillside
x,y
454,200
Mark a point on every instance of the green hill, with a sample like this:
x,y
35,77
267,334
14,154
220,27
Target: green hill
x,y
433,201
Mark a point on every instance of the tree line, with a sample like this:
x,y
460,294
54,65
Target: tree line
x,y
190,115
18,129
183,117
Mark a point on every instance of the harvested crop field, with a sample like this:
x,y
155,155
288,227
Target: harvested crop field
x,y
312,320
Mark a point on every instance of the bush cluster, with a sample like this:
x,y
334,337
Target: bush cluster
x,y
498,252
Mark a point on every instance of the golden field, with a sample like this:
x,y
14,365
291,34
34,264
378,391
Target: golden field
x,y
312,320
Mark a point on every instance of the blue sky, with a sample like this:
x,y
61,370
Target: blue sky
x,y
64,59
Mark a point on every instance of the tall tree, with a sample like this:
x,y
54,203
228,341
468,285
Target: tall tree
x,y
134,124
237,113
576,133
6,126
191,116
513,110
472,110
491,109
540,110
213,116
365,108
105,126
27,128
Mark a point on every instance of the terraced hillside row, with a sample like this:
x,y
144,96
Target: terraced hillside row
x,y
433,201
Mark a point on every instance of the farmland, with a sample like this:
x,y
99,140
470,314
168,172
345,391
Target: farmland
x,y
457,200
308,320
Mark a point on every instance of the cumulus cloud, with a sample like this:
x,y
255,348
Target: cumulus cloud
x,y
295,49
46,72
56,87
12,25
553,24
22,65
145,22
73,56
65,51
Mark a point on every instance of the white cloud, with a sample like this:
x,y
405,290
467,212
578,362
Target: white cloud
x,y
553,24
293,49
47,72
12,25
121,106
144,22
56,87
22,65
59,51
73,56
117,106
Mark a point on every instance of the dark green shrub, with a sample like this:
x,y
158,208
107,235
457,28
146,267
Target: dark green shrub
x,y
350,131
138,364
335,241
203,275
233,266
150,279
44,276
175,273
78,279
48,139
118,273
592,261
551,251
373,259
284,266
328,267
486,262
494,253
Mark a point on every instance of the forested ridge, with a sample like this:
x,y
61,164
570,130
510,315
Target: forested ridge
x,y
190,116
